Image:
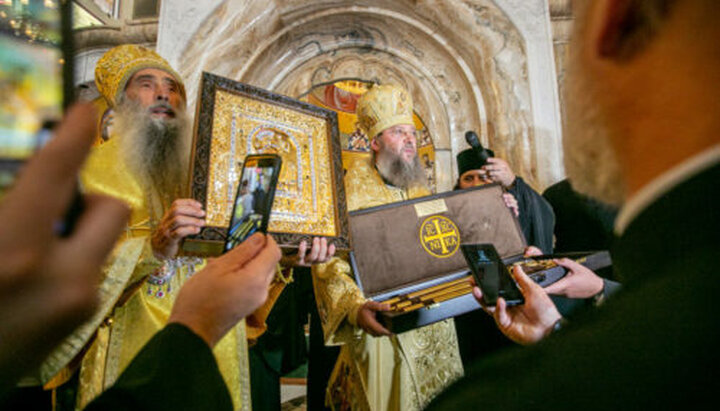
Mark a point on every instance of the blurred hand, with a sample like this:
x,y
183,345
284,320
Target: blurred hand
x,y
499,171
319,253
527,323
184,217
511,203
367,320
228,289
579,282
48,285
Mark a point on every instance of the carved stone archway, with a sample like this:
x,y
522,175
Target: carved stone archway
x,y
466,64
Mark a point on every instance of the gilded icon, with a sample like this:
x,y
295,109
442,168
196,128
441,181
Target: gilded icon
x,y
235,120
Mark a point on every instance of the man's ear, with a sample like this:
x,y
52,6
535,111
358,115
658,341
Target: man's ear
x,y
611,26
621,29
375,144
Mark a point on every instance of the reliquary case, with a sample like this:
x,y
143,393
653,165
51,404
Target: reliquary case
x,y
407,254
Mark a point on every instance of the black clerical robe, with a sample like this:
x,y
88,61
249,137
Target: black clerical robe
x,y
581,223
537,219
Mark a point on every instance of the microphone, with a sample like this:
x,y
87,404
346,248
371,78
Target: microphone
x,y
474,142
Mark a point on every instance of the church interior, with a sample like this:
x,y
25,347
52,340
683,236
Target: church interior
x,y
371,205
438,72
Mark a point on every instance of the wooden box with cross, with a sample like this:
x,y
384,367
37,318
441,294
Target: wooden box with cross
x,y
407,254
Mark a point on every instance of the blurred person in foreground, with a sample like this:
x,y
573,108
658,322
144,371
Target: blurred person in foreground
x,y
644,131
47,283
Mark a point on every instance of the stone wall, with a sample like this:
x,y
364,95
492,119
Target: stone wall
x,y
561,16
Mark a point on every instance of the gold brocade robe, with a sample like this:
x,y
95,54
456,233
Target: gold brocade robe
x,y
137,294
401,372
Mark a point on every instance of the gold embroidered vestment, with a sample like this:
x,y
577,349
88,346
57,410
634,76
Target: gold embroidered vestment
x,y
401,372
137,294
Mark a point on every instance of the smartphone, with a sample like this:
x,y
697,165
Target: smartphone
x,y
254,198
36,77
491,274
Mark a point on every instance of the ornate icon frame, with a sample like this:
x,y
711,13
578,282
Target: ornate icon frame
x,y
210,239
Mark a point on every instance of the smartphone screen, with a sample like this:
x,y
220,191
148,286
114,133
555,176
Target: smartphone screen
x,y
254,198
34,77
491,274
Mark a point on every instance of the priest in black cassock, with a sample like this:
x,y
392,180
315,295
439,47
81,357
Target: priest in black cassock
x,y
536,216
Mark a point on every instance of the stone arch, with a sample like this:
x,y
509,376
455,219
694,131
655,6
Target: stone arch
x,y
465,63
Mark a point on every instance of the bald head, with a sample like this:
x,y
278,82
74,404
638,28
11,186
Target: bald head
x,y
641,91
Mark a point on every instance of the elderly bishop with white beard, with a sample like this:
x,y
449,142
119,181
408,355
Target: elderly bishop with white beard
x,y
144,163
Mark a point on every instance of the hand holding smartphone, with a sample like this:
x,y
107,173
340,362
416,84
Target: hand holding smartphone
x,y
254,198
491,274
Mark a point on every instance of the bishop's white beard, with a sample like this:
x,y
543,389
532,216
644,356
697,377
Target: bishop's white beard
x,y
155,150
590,162
399,173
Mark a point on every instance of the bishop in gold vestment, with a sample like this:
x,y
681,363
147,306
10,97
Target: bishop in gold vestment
x,y
396,372
138,166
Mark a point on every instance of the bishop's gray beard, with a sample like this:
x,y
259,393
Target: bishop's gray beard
x,y
590,161
155,150
398,172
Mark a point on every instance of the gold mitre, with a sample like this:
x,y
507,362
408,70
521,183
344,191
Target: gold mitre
x,y
118,65
382,107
